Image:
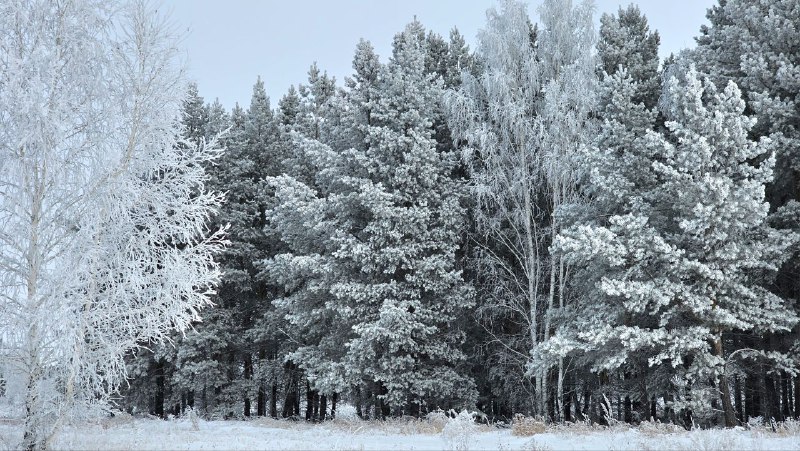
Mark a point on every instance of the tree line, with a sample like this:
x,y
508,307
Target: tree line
x,y
555,224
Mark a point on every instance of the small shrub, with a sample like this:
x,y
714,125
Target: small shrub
x,y
437,419
789,427
654,428
459,430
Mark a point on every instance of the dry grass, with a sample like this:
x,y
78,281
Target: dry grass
x,y
523,426
655,428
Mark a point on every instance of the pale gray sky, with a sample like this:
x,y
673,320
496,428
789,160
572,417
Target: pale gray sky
x,y
231,42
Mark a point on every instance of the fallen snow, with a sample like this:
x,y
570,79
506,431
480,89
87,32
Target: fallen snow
x,y
349,434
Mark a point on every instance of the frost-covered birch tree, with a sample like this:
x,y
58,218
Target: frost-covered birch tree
x,y
521,120
104,239
494,114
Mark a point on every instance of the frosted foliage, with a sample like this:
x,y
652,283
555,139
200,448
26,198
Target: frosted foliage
x,y
103,215
684,258
626,42
373,239
521,121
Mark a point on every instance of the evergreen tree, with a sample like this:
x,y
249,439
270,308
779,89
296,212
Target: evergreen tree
x,y
626,42
378,269
754,44
684,262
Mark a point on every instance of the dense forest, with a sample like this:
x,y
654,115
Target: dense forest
x,y
555,223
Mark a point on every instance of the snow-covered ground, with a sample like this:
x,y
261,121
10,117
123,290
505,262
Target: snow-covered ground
x,y
125,433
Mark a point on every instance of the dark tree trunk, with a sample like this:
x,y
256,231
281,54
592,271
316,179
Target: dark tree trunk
x,y
309,402
261,401
333,405
567,401
315,398
383,408
290,395
653,408
737,393
724,389
248,375
628,410
359,406
771,398
158,402
323,407
273,400
785,396
644,407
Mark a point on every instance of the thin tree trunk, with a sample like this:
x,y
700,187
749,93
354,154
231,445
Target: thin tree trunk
x,y
309,402
289,395
737,393
248,374
772,399
724,389
323,407
797,397
786,410
261,401
273,400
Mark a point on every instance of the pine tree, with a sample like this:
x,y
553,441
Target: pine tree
x,y
626,42
754,44
685,264
379,269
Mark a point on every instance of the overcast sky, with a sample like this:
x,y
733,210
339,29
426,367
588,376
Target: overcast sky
x,y
229,43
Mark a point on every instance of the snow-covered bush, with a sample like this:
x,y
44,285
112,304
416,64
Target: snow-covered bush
x,y
459,431
438,419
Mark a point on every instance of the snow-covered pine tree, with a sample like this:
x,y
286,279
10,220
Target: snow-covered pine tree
x,y
306,113
755,45
684,265
628,94
626,41
96,193
377,263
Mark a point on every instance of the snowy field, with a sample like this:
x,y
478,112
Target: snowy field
x,y
126,433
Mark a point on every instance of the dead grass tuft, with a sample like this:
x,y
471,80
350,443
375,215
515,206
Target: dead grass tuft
x,y
523,426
